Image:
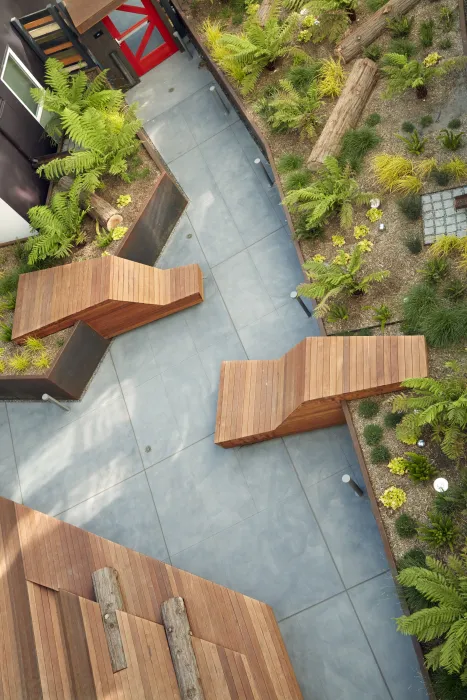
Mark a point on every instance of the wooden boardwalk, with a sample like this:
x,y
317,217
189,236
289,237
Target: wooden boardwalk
x,y
303,390
53,644
110,294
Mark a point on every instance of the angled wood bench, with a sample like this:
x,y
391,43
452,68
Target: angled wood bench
x,y
263,399
112,295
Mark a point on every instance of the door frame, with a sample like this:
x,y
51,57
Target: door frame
x,y
140,64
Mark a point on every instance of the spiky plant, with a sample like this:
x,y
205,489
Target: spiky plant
x,y
331,78
399,174
437,404
341,276
106,141
34,344
333,190
404,74
445,586
58,224
291,109
19,362
75,92
244,56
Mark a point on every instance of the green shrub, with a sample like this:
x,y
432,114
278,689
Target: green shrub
x,y
439,532
403,46
337,312
406,526
455,289
447,686
447,18
10,301
413,143
444,327
419,468
455,499
420,300
373,119
9,282
408,127
411,206
5,332
425,121
445,43
297,179
441,177
302,76
355,145
426,32
454,124
434,270
373,52
289,162
380,454
399,26
368,408
414,557
308,233
393,419
450,140
373,434
413,242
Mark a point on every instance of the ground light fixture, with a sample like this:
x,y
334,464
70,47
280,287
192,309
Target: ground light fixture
x,y
421,443
440,484
296,295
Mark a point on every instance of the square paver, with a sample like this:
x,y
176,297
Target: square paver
x,y
227,348
6,443
242,289
330,654
209,322
133,358
277,555
170,134
318,454
204,114
269,472
183,248
125,514
377,604
191,398
199,492
9,479
349,529
170,340
80,459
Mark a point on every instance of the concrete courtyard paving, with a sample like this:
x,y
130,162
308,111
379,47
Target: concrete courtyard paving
x,y
135,462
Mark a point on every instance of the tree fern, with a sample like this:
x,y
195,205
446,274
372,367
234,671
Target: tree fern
x,y
404,74
291,109
440,405
333,19
334,190
445,585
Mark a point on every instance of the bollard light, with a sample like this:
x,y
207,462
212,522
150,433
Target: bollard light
x,y
440,484
347,479
295,295
421,443
382,227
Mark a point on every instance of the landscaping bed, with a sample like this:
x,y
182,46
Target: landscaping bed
x,y
399,249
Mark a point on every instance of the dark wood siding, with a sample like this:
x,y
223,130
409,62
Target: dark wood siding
x,y
21,136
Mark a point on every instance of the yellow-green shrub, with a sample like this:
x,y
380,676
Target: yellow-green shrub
x,y
393,498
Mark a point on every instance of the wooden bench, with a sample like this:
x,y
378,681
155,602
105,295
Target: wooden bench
x,y
263,399
110,294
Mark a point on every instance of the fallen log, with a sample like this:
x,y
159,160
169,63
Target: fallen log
x,y
99,208
177,629
110,599
347,110
263,11
369,30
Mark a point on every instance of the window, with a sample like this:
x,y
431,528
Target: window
x,y
20,80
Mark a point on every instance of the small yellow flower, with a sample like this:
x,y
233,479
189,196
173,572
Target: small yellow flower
x,y
318,258
365,246
338,241
432,59
374,215
361,231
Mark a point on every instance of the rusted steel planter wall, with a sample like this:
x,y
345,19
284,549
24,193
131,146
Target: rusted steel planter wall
x,y
80,356
255,132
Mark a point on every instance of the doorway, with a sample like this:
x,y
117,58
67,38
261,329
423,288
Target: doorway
x,y
143,37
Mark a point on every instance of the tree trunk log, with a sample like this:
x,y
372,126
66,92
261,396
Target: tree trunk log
x,y
263,11
369,30
110,599
100,209
177,629
347,110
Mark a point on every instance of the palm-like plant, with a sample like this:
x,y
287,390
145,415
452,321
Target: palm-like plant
x,y
333,190
341,276
244,56
75,92
58,225
291,109
404,74
439,404
107,140
444,585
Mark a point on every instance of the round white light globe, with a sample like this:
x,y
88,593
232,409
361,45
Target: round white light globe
x,y
440,484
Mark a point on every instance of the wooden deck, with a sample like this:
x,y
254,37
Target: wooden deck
x,y
53,643
263,399
110,294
